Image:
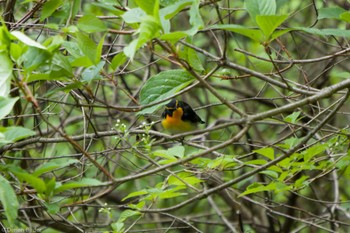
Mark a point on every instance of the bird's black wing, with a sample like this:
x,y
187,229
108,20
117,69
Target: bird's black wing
x,y
189,114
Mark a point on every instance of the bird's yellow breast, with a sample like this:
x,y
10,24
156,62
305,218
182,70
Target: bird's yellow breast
x,y
175,124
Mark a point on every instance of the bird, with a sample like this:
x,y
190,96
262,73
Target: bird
x,y
179,117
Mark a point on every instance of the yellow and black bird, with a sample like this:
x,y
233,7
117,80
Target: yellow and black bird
x,y
179,117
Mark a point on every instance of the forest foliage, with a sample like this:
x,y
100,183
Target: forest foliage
x,y
83,85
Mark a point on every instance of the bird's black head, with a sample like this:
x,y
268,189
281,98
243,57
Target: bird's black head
x,y
173,104
170,108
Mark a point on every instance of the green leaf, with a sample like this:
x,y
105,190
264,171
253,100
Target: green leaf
x,y
254,188
293,118
5,35
90,23
165,25
130,49
53,26
138,205
70,29
37,183
260,7
222,162
50,186
60,67
168,158
285,163
253,34
170,11
127,214
118,227
173,37
344,162
268,152
83,61
149,29
201,162
269,23
107,7
87,46
92,72
325,32
6,67
270,173
54,43
170,193
27,40
191,56
256,162
345,16
135,15
273,186
276,169
290,142
167,2
52,208
156,193
50,7
85,182
170,155
73,49
148,6
75,8
163,85
193,60
136,194
15,133
177,151
99,49
118,60
330,13
279,33
284,175
39,76
9,201
34,58
195,17
53,165
301,182
15,51
185,178
6,105
278,187
313,151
